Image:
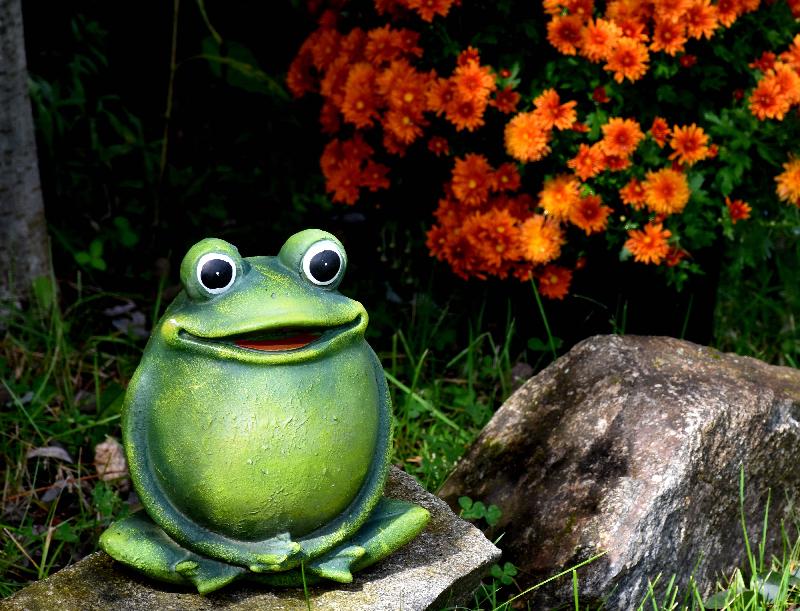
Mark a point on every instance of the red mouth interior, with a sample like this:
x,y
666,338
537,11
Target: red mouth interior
x,y
291,342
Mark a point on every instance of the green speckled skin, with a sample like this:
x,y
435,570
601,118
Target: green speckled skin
x,y
249,462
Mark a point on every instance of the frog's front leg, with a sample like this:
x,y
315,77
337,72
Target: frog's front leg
x,y
139,543
392,524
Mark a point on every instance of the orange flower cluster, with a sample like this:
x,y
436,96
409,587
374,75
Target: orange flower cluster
x,y
485,224
367,80
629,30
485,228
347,167
778,89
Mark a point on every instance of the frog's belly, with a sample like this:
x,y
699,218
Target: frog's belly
x,y
251,453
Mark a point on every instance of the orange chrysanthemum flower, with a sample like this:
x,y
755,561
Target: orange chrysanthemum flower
x,y
438,146
788,188
628,60
589,162
615,163
405,126
329,118
324,46
650,245
525,137
701,19
540,239
792,55
620,137
565,33
767,100
428,9
360,101
599,37
299,79
559,196
344,181
669,36
374,176
728,11
466,114
470,54
689,144
472,179
738,209
633,194
554,281
670,10
589,214
506,178
552,113
666,191
441,93
505,100
473,81
788,81
660,131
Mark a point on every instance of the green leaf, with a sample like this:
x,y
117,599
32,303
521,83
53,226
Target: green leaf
x,y
493,515
96,249
464,502
537,345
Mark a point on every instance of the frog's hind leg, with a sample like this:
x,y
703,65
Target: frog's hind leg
x,y
139,543
392,524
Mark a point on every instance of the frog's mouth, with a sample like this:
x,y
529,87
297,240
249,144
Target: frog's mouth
x,y
277,339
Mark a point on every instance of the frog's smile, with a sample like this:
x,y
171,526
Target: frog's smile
x,y
288,340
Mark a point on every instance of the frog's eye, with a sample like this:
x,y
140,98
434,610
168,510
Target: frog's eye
x,y
216,272
323,263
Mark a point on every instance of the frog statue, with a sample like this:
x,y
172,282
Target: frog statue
x,y
258,427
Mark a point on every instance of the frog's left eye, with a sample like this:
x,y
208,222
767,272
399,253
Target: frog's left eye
x,y
323,263
216,272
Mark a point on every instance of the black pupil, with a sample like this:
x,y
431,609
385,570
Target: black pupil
x,y
324,265
216,274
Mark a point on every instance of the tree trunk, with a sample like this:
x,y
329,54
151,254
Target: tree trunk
x,y
24,248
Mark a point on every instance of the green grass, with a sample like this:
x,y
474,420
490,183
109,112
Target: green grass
x,y
65,387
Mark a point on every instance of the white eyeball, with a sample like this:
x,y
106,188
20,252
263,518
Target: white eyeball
x,y
324,263
216,272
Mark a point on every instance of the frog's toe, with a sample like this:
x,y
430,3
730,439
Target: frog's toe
x,y
208,575
336,564
139,543
281,551
392,524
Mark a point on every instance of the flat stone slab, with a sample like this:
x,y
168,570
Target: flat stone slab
x,y
441,567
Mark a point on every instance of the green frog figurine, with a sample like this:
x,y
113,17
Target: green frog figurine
x,y
258,427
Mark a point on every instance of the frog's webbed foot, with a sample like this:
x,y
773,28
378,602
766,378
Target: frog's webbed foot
x,y
139,543
392,524
281,552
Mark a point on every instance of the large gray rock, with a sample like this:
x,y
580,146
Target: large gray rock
x,y
632,446
440,567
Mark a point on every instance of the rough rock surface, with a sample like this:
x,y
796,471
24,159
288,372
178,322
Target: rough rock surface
x,y
633,446
440,567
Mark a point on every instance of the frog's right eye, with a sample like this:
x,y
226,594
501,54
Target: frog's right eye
x,y
216,272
